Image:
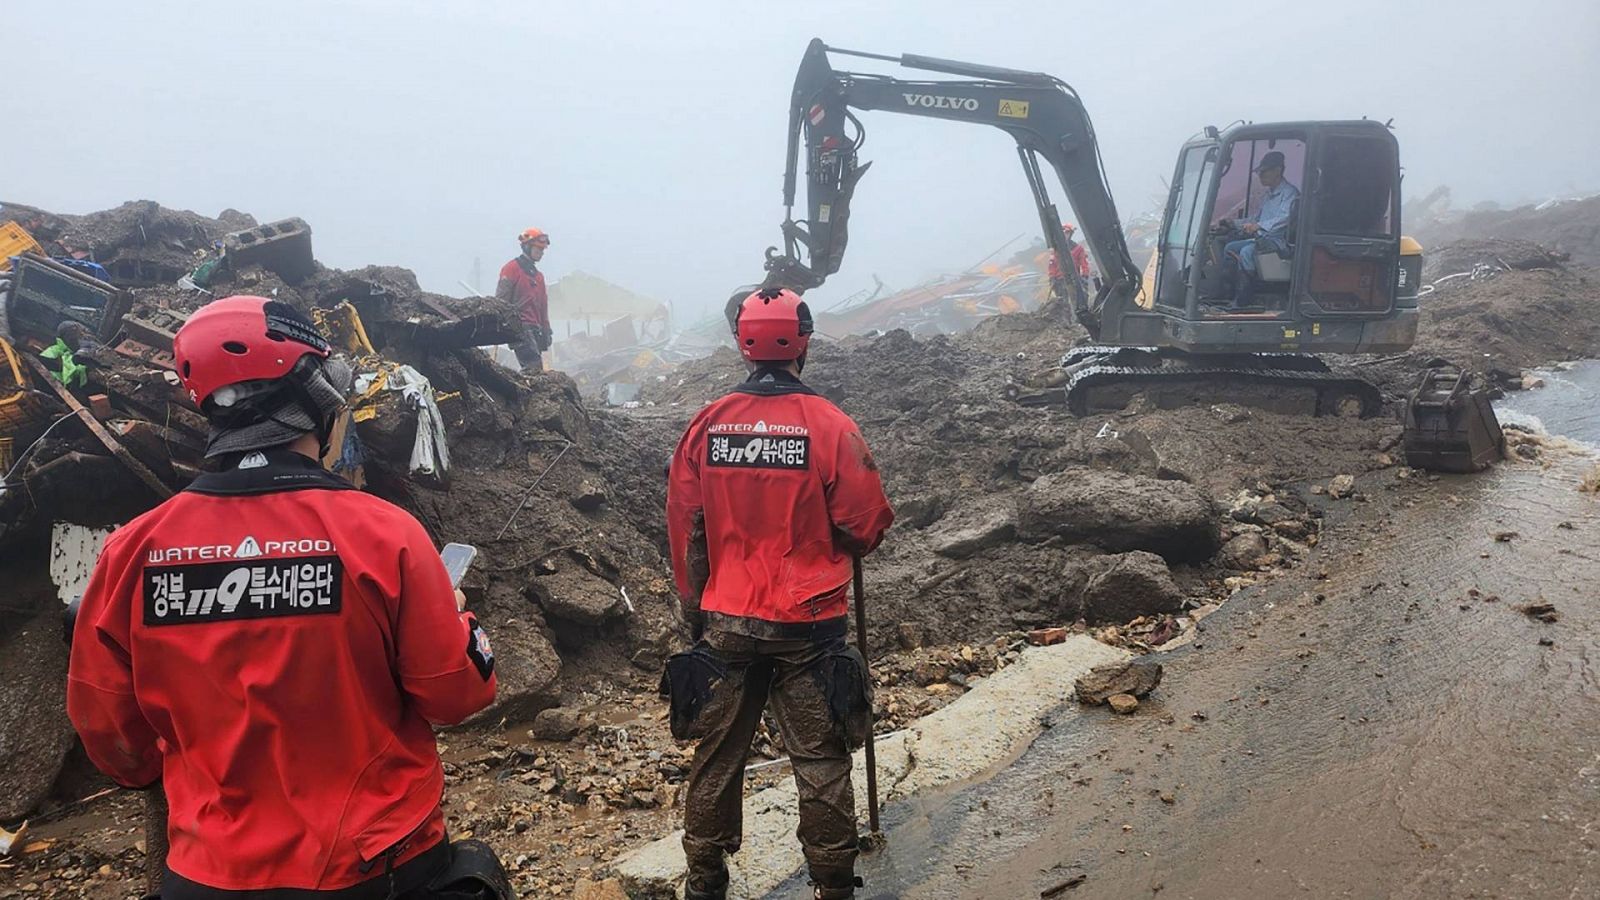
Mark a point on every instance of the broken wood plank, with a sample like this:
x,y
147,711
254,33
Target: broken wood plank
x,y
99,431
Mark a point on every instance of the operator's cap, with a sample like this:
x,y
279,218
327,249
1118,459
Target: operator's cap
x,y
1272,160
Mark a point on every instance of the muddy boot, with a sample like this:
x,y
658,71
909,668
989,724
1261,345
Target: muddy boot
x,y
835,888
707,886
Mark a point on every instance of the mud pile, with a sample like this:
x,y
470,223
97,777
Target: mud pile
x,y
1571,227
1016,517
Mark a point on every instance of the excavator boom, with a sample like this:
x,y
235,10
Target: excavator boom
x,y
1042,113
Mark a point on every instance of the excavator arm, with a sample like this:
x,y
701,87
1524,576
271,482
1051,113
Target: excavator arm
x,y
1043,115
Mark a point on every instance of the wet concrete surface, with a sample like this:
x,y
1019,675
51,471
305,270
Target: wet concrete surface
x,y
1394,729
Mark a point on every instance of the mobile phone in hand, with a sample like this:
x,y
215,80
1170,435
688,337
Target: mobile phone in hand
x,y
457,560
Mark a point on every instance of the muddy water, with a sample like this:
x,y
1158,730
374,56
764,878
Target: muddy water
x,y
1567,405
1400,737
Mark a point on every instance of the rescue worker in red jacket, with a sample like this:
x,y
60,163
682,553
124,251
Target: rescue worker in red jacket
x,y
522,287
1080,256
771,492
271,646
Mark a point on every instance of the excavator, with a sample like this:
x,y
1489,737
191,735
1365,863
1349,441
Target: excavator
x,y
1344,280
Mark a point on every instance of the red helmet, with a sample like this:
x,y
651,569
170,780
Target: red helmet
x,y
774,325
1067,228
239,339
529,235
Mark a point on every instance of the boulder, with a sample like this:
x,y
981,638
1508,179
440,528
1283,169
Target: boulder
x,y
577,596
1119,512
559,724
1135,678
1124,586
526,668
968,531
1342,486
35,733
1243,551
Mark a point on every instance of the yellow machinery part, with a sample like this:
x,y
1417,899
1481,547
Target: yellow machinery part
x,y
15,241
19,405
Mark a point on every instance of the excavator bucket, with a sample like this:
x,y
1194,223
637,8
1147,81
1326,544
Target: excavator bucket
x,y
1450,425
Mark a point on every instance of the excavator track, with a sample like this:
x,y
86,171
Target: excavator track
x,y
1112,380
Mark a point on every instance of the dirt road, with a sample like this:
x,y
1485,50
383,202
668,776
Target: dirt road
x,y
1394,729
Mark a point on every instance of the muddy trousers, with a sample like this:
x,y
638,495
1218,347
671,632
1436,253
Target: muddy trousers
x,y
784,673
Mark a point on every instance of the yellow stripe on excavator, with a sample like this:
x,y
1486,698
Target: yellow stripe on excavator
x,y
1409,246
1147,285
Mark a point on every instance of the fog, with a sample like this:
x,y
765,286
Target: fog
x,y
648,139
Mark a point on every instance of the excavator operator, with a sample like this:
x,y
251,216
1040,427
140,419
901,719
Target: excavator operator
x,y
1268,230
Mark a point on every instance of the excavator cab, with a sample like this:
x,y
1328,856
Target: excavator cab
x,y
1334,275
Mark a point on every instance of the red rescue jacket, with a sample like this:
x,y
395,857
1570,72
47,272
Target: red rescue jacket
x,y
785,490
272,645
1080,261
526,289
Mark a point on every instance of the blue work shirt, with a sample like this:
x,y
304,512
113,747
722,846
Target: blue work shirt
x,y
1276,204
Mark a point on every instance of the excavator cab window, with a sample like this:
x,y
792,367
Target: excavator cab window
x,y
1239,191
1354,242
1186,223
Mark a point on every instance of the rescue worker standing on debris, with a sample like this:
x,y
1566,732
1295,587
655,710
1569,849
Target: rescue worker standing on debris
x,y
272,647
771,492
522,287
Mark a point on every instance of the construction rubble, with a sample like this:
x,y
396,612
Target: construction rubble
x,y
1017,524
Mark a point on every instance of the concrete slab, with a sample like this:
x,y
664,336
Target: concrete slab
x,y
987,726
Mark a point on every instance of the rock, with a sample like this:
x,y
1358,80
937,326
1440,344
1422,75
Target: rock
x,y
1342,486
1124,586
1243,551
1119,512
1531,382
35,733
610,889
666,795
526,668
578,596
590,496
920,511
966,532
1540,611
927,672
1134,677
1122,704
1044,637
559,724
911,635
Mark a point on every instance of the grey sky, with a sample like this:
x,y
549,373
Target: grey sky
x,y
648,138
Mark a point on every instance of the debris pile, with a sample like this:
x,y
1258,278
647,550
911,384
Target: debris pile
x,y
1568,226
1013,517
565,506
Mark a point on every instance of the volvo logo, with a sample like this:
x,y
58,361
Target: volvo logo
x,y
933,101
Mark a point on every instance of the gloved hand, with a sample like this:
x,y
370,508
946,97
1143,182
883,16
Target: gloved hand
x,y
545,337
